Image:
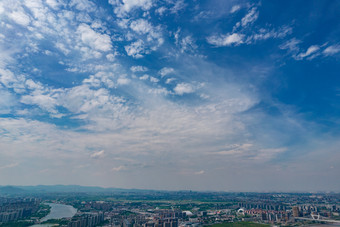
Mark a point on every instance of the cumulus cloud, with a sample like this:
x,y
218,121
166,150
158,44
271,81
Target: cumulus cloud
x,y
20,17
226,40
83,5
166,71
136,49
138,68
144,77
44,101
184,88
161,10
123,81
95,40
110,57
169,80
141,26
125,6
54,4
153,79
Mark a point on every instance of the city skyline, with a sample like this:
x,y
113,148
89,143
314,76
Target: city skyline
x,y
171,95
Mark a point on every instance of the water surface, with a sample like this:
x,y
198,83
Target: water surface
x,y
59,211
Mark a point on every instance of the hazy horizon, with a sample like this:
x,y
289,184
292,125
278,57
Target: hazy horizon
x,y
175,95
160,190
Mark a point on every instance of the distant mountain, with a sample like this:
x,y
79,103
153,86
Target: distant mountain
x,y
62,188
10,190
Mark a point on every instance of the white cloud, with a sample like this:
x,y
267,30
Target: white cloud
x,y
110,57
235,8
291,45
331,50
7,101
178,5
83,5
200,172
136,49
153,79
95,40
1,8
169,80
268,154
250,18
166,71
20,17
158,91
138,68
54,4
226,40
118,169
264,34
62,48
235,149
152,35
98,154
184,88
188,44
44,101
311,50
123,81
144,77
161,10
8,166
125,6
141,26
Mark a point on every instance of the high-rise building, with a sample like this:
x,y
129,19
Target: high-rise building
x,y
296,212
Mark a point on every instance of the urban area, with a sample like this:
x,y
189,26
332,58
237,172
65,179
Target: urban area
x,y
78,206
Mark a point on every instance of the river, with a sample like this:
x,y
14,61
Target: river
x,y
59,211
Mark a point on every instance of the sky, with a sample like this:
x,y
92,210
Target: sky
x,y
223,95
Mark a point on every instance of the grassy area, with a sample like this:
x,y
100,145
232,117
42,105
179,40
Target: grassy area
x,y
239,224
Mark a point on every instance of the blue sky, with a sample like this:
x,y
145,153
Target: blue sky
x,y
200,95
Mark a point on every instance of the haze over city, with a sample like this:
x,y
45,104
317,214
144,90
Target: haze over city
x,y
172,94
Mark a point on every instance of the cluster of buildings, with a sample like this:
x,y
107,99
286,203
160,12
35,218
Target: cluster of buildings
x,y
319,210
268,213
151,218
86,220
270,208
15,209
263,206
